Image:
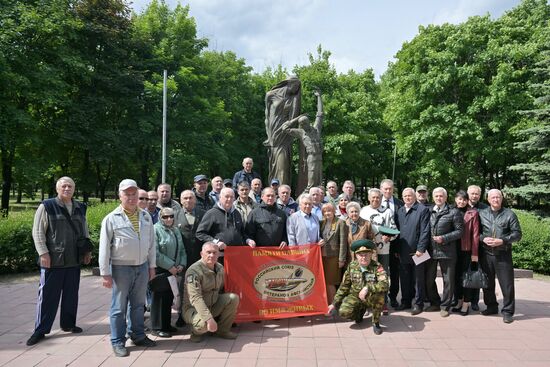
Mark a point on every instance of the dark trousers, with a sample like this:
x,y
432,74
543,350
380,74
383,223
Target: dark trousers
x,y
161,310
412,284
463,263
56,284
499,263
448,267
394,276
431,287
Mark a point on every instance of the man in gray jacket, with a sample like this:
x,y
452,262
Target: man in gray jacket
x,y
127,261
499,229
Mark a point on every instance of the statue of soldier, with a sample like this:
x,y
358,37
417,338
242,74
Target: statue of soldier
x,y
363,287
310,135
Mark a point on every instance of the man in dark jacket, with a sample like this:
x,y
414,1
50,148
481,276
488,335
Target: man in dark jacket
x,y
499,229
246,174
474,198
223,224
200,185
266,223
58,225
446,230
392,203
413,221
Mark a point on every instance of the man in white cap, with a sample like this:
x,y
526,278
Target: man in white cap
x,y
127,261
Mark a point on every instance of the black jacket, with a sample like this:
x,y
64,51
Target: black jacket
x,y
188,232
217,224
266,224
448,223
414,227
503,224
205,204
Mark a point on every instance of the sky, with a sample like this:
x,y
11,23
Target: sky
x,y
360,34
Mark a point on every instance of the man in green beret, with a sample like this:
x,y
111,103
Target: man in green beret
x,y
363,287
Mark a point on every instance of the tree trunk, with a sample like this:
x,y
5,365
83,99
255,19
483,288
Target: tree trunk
x,y
19,194
7,177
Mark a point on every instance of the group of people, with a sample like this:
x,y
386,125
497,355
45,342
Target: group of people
x,y
367,251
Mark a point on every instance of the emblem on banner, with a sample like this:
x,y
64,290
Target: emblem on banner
x,y
282,282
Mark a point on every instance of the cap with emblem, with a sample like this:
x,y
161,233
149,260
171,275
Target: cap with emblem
x,y
388,231
362,246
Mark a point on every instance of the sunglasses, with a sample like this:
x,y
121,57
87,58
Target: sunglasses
x,y
141,199
167,216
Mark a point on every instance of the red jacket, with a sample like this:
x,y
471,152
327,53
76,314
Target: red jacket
x,y
470,235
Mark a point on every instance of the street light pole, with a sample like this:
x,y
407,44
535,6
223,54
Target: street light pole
x,y
164,127
394,158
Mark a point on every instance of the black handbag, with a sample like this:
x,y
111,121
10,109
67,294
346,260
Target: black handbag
x,y
474,278
160,283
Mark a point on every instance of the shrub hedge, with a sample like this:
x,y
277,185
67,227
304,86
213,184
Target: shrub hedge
x,y
17,253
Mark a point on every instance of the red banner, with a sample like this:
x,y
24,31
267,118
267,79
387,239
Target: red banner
x,y
276,284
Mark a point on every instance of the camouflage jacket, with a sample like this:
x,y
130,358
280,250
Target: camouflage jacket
x,y
203,286
374,278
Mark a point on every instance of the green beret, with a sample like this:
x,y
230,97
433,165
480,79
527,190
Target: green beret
x,y
362,245
388,231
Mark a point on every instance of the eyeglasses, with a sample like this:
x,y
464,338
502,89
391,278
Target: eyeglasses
x,y
141,199
168,216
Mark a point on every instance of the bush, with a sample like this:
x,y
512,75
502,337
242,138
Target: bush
x,y
17,251
533,251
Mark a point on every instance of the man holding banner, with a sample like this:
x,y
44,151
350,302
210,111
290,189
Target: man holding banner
x,y
205,308
363,287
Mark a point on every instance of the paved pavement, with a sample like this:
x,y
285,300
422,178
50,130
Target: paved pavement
x,y
424,340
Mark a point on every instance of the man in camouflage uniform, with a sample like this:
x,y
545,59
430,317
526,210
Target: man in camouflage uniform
x,y
205,306
363,287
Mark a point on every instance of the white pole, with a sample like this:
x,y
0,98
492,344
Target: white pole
x,y
164,128
394,156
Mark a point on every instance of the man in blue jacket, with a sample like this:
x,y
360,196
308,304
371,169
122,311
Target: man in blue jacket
x,y
413,221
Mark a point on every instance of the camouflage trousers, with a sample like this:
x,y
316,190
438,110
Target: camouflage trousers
x,y
352,308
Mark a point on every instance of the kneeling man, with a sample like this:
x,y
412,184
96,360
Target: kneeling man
x,y
206,307
363,287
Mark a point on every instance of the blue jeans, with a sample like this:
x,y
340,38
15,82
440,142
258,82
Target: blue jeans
x,y
129,287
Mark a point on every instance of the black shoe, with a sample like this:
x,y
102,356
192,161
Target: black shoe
x,y
120,350
145,342
359,319
376,328
35,338
456,309
74,329
416,310
402,307
172,329
475,307
433,308
394,303
161,334
489,311
180,322
465,313
507,318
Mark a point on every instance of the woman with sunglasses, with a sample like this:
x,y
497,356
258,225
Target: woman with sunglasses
x,y
171,260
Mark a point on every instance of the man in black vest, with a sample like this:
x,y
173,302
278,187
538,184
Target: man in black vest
x,y
60,235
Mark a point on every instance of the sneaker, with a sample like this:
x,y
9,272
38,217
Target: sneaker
x,y
385,311
35,338
74,329
120,350
376,328
145,342
444,313
226,335
196,338
507,318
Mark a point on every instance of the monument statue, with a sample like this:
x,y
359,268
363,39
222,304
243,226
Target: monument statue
x,y
282,104
310,136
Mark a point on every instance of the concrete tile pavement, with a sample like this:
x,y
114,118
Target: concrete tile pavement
x,y
423,340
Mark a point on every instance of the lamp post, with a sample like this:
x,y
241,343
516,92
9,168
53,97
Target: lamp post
x,y
394,158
